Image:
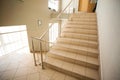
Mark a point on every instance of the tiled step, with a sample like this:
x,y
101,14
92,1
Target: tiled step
x,y
81,26
83,60
81,31
84,15
83,19
77,49
75,70
79,36
86,43
82,22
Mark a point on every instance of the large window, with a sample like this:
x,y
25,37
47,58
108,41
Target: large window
x,y
53,4
12,38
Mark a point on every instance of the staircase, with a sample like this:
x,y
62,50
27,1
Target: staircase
x,y
76,50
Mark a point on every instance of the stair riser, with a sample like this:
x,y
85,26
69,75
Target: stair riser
x,y
95,46
77,51
82,27
86,64
82,77
92,32
82,37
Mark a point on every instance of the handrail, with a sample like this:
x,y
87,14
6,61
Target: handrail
x,y
42,40
56,17
43,34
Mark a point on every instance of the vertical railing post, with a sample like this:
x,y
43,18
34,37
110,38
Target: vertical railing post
x,y
33,53
41,55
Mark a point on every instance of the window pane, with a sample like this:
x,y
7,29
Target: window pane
x,y
53,4
13,41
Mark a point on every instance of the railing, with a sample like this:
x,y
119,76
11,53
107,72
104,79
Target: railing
x,y
42,41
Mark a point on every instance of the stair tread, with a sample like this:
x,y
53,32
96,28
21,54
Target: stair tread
x,y
79,34
77,40
77,47
74,68
84,15
77,29
81,26
79,22
83,31
75,56
83,19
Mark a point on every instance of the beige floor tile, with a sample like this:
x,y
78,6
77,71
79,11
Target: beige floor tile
x,y
70,78
35,76
81,57
12,66
58,63
92,60
67,66
32,70
44,77
21,72
79,69
92,73
21,78
71,55
47,72
3,67
8,74
58,76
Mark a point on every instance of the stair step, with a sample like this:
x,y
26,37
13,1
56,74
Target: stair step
x,y
75,70
81,26
82,31
86,43
83,19
83,60
92,15
84,13
77,49
79,36
82,22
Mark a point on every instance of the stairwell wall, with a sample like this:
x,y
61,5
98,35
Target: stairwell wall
x,y
108,15
25,12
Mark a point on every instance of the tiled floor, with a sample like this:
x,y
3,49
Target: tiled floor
x,y
20,66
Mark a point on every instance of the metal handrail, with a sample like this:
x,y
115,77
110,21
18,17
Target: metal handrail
x,y
56,17
42,40
43,34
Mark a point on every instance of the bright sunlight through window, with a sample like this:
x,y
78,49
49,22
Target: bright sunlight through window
x,y
12,38
53,4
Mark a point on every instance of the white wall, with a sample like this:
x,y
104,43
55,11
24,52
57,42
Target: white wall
x,y
14,12
108,13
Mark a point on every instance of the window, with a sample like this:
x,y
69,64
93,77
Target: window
x,y
53,4
12,38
